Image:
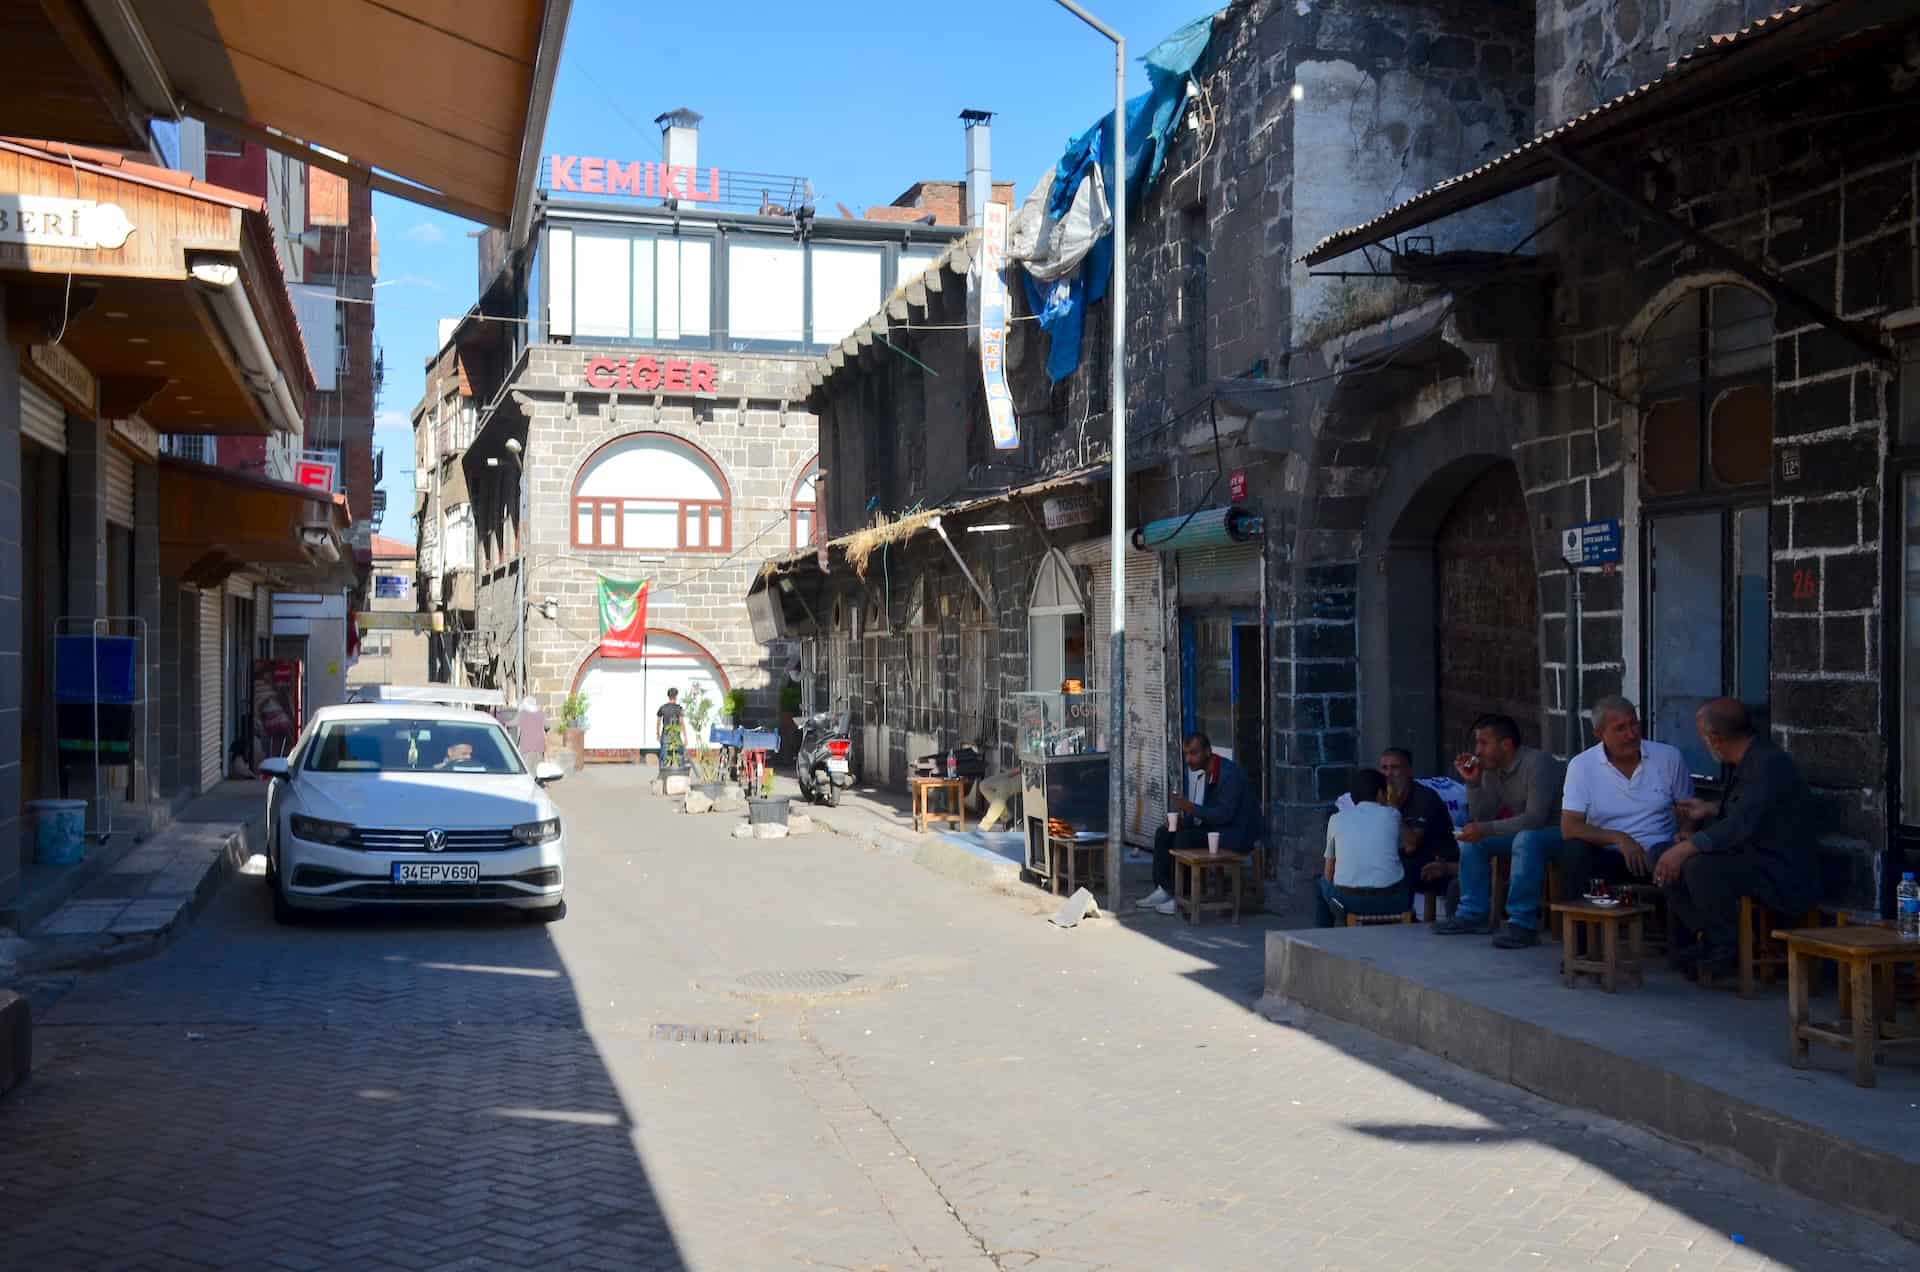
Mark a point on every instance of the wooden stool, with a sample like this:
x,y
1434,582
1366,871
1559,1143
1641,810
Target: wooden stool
x,y
1760,956
1378,920
956,808
1867,957
1191,867
1497,898
1600,924
1088,844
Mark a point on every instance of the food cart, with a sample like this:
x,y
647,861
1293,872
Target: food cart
x,y
1063,777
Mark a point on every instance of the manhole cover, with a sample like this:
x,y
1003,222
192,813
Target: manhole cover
x,y
703,1033
797,982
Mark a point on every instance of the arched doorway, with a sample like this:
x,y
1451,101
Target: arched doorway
x,y
1487,650
1460,605
623,694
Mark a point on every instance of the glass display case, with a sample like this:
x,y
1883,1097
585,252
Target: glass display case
x,y
1063,773
1057,724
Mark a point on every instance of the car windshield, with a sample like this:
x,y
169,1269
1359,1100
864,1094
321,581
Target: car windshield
x,y
411,746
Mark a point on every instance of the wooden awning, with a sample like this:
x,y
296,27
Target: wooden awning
x,y
170,293
214,522
450,98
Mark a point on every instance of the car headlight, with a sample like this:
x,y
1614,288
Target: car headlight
x,y
314,830
540,832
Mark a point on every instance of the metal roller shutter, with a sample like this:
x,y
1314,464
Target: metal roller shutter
x,y
212,687
1146,650
119,494
1225,576
42,419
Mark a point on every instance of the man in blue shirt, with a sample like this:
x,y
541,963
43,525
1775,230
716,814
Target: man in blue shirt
x,y
1217,798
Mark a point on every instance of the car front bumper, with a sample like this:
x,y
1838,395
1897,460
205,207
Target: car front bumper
x,y
327,877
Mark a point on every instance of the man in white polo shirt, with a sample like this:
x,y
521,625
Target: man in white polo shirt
x,y
1620,794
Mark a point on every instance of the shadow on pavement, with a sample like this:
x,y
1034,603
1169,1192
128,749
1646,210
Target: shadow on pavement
x,y
364,1091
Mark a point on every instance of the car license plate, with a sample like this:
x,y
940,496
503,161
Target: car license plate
x,y
836,766
436,872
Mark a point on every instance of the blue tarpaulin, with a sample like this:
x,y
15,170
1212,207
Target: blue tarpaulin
x,y
1153,119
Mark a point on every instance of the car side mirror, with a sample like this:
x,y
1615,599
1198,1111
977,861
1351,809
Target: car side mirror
x,y
276,767
546,772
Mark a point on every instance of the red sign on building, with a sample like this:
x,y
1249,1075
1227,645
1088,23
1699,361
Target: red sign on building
x,y
318,476
1237,486
584,175
646,375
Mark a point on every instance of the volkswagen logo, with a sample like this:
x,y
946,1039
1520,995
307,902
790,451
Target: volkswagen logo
x,y
436,840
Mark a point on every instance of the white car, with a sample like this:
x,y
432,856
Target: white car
x,y
397,803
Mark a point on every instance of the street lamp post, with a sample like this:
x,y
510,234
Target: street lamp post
x,y
1117,529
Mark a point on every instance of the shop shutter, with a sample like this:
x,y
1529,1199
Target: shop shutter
x,y
119,487
42,419
1146,725
1220,576
212,688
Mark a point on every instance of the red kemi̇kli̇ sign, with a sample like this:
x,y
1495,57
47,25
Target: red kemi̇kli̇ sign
x,y
584,175
623,618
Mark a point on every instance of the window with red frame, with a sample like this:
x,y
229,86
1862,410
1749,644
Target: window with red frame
x,y
649,492
803,509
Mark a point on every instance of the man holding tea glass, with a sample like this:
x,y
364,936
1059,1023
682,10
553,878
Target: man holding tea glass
x,y
1217,809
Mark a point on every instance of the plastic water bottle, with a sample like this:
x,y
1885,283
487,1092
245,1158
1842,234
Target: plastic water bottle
x,y
1909,905
953,767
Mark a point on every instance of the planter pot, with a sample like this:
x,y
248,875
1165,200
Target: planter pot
x,y
676,770
768,812
712,790
577,743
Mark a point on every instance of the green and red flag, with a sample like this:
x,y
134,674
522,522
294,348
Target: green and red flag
x,y
623,618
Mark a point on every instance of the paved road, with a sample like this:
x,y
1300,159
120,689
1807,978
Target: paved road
x,y
958,1086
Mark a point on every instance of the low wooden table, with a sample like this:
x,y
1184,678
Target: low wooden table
x,y
1603,923
956,806
1191,866
1867,957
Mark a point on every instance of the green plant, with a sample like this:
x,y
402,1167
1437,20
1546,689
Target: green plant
x,y
673,745
790,699
766,782
706,759
733,706
573,712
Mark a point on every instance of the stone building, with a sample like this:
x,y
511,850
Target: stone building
x,y
641,417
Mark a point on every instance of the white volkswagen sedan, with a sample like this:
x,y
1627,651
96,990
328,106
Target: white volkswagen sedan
x,y
398,803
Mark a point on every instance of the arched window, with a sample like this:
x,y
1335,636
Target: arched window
x,y
1056,627
648,492
1706,455
802,508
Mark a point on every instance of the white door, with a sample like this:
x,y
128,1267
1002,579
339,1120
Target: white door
x,y
624,694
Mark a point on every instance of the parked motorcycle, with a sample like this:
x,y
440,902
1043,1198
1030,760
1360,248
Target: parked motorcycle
x,y
825,763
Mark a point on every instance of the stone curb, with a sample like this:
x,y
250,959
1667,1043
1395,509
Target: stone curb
x,y
94,952
932,853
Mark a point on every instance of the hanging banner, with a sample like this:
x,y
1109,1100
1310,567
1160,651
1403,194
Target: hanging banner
x,y
993,328
623,618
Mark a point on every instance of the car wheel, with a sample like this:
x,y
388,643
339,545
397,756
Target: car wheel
x,y
546,914
283,913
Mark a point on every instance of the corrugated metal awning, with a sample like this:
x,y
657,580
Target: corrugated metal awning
x,y
1723,67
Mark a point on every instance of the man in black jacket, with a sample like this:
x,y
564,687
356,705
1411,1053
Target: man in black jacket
x,y
1757,842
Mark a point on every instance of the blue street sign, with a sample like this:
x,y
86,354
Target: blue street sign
x,y
1595,543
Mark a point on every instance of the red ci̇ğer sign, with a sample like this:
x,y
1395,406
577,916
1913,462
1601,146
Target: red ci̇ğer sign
x,y
645,374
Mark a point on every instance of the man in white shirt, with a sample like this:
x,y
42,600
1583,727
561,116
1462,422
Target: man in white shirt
x,y
1621,793
1364,871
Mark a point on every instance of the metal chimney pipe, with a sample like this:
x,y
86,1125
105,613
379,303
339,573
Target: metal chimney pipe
x,y
680,137
979,128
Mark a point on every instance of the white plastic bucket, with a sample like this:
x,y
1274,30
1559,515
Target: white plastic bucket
x,y
59,831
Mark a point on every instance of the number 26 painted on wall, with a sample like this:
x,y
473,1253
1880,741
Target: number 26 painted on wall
x,y
1806,585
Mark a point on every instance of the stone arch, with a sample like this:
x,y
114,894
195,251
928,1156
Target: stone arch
x,y
1428,469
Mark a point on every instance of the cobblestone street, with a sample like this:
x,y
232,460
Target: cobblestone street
x,y
939,1079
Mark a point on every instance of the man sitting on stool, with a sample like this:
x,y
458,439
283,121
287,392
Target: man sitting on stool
x,y
1217,799
1758,843
1366,871
1620,798
1513,793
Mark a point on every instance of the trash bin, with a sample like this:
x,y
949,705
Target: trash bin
x,y
59,831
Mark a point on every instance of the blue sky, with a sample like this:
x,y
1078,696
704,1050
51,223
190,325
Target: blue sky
x,y
860,96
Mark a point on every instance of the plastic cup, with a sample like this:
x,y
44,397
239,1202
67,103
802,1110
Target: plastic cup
x,y
1213,841
1173,821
